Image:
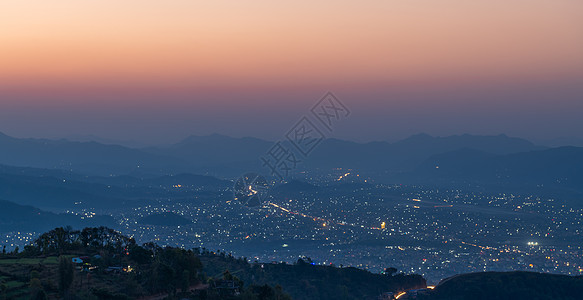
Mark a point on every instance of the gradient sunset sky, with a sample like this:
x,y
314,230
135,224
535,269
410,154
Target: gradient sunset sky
x,y
158,71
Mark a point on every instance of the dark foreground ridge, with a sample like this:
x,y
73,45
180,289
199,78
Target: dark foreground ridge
x,y
101,263
509,285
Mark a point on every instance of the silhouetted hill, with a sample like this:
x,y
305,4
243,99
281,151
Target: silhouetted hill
x,y
555,173
227,154
14,217
105,141
164,219
57,189
192,181
218,152
55,193
39,172
498,144
408,153
188,180
563,141
561,167
304,281
510,285
223,155
83,157
174,273
295,186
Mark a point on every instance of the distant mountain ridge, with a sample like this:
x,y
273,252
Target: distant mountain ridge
x,y
15,217
57,189
227,156
407,154
83,157
234,153
555,168
498,144
216,152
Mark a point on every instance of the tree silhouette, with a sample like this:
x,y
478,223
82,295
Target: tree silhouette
x,y
66,274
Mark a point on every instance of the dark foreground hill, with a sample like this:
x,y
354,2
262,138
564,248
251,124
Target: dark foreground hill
x,y
303,280
15,217
87,264
101,263
509,285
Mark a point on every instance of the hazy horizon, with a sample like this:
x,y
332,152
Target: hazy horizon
x,y
132,143
157,72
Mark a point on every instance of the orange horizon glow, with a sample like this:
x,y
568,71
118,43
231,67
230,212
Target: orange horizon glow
x,y
194,43
154,70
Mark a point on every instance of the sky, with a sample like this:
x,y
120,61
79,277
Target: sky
x,y
158,71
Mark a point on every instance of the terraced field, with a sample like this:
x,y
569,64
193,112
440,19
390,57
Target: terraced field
x,y
15,275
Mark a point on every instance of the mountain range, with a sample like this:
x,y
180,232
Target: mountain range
x,y
56,190
556,170
15,217
226,156
82,157
61,172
